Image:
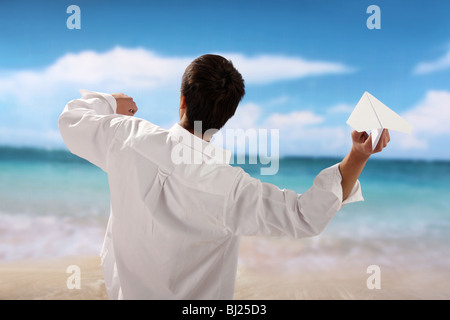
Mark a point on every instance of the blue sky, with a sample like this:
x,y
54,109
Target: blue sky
x,y
306,64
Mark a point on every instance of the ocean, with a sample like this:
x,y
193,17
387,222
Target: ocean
x,y
54,204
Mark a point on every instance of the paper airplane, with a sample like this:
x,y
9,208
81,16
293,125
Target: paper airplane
x,y
370,114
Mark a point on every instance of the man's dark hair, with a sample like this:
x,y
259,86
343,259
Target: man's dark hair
x,y
212,88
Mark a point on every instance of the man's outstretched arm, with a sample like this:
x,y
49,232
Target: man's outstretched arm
x,y
353,164
88,124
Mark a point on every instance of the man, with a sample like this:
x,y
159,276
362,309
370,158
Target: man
x,y
174,228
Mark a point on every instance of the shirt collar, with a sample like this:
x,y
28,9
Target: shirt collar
x,y
211,151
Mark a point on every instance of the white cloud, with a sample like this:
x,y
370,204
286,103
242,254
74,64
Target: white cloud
x,y
293,120
116,69
341,108
249,116
430,119
277,101
246,116
122,69
41,137
266,68
308,133
432,66
300,132
432,114
31,100
409,142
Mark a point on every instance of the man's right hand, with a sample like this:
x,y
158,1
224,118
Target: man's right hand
x,y
362,142
353,164
125,104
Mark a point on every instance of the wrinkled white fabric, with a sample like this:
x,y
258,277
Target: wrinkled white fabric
x,y
174,228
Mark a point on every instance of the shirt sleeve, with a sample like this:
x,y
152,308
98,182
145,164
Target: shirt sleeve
x,y
258,208
88,125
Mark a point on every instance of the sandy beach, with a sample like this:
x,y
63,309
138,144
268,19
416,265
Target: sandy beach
x,y
46,279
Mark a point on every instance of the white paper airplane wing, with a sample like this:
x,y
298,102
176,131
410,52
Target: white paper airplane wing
x,y
370,114
388,118
363,117
376,135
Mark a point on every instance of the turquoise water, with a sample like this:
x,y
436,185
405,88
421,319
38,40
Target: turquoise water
x,y
53,203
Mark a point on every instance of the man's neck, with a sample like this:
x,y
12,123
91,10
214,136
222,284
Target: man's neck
x,y
200,135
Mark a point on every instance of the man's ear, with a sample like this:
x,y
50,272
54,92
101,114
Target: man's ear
x,y
182,109
183,102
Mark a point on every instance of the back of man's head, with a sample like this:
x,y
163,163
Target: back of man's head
x,y
212,88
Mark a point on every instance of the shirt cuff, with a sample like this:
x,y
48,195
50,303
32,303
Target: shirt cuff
x,y
330,179
86,94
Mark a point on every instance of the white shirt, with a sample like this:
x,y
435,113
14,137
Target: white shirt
x,y
174,228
